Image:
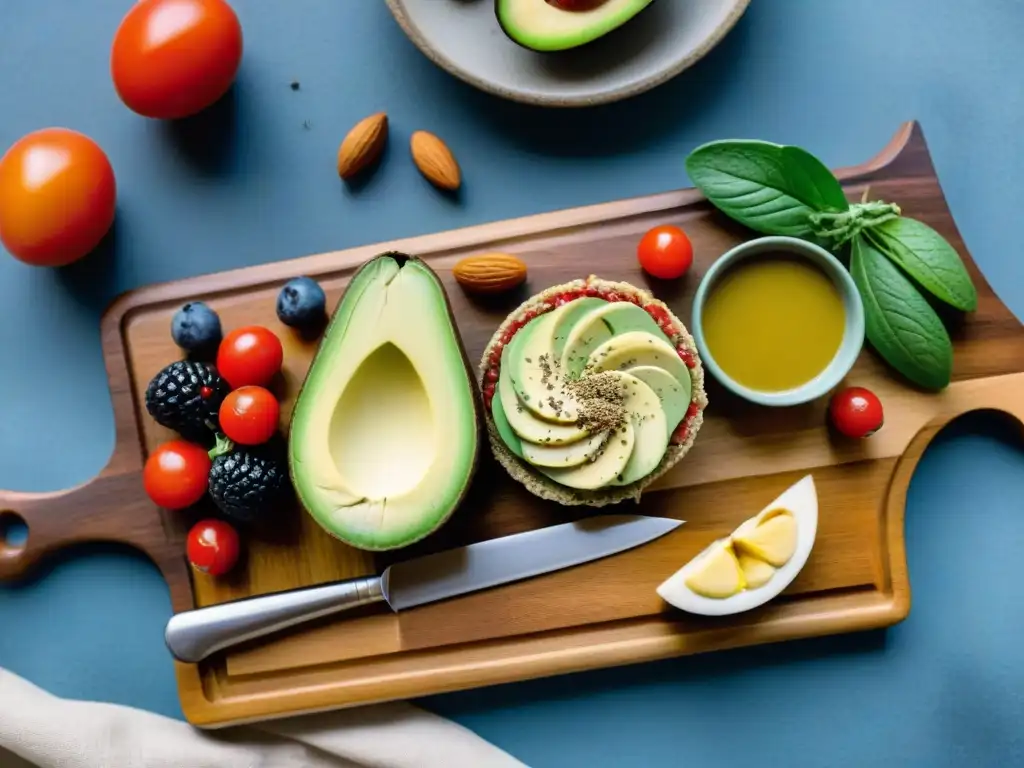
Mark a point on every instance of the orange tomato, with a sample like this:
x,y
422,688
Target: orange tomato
x,y
173,58
57,197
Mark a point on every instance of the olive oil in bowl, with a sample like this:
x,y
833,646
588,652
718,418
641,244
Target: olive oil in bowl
x,y
778,320
774,322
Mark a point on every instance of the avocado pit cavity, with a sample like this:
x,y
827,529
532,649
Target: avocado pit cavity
x,y
576,5
382,434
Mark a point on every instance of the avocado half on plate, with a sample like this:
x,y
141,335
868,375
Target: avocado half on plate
x,y
558,25
385,431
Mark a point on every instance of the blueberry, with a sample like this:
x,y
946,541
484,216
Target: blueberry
x,y
301,303
196,327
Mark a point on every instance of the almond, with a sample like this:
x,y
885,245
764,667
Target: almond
x,y
490,272
435,161
363,145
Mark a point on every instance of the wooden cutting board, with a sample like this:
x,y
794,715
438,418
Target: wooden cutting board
x,y
600,614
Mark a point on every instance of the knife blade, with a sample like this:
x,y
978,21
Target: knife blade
x,y
192,636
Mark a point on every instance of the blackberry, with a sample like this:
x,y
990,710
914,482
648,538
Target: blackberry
x,y
186,396
250,481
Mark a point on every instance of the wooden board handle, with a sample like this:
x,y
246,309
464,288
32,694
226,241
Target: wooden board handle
x,y
111,507
999,394
1004,395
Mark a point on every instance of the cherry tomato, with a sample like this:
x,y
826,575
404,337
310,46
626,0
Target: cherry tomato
x,y
665,252
173,58
176,474
249,415
856,412
57,197
213,547
250,356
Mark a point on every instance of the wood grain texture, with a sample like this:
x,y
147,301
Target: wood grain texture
x,y
600,614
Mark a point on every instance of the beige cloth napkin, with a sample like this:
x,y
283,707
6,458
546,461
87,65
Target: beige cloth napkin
x,y
39,729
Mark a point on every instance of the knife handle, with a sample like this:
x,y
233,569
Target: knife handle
x,y
193,635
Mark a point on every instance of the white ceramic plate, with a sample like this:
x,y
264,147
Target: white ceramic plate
x,y
463,37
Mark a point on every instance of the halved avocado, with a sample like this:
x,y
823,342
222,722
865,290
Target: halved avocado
x,y
385,432
557,25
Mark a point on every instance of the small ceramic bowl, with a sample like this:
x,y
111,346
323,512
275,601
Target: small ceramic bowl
x,y
667,38
853,333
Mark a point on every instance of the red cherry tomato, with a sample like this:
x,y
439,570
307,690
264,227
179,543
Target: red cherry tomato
x,y
856,412
57,197
665,252
173,58
249,415
213,547
250,356
176,474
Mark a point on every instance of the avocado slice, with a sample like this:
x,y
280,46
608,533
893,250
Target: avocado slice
x,y
505,431
525,424
583,339
638,348
536,376
574,312
606,466
557,25
598,326
649,428
571,455
674,395
385,431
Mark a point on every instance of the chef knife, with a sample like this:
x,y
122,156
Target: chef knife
x,y
193,635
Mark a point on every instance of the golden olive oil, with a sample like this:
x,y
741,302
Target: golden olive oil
x,y
773,323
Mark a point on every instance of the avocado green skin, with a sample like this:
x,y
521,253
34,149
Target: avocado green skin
x,y
337,325
559,44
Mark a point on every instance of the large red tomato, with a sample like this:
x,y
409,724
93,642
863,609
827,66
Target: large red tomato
x,y
57,197
173,58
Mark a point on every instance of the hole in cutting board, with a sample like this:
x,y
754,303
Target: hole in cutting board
x,y
13,531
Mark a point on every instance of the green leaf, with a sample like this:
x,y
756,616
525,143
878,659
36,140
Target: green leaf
x,y
771,188
813,180
899,322
928,258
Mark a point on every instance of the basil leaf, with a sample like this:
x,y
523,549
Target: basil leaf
x,y
900,324
772,189
814,182
928,258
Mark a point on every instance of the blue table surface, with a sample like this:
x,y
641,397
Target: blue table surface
x,y
942,688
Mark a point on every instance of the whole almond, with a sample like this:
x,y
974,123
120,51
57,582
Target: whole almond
x,y
435,161
362,145
490,272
